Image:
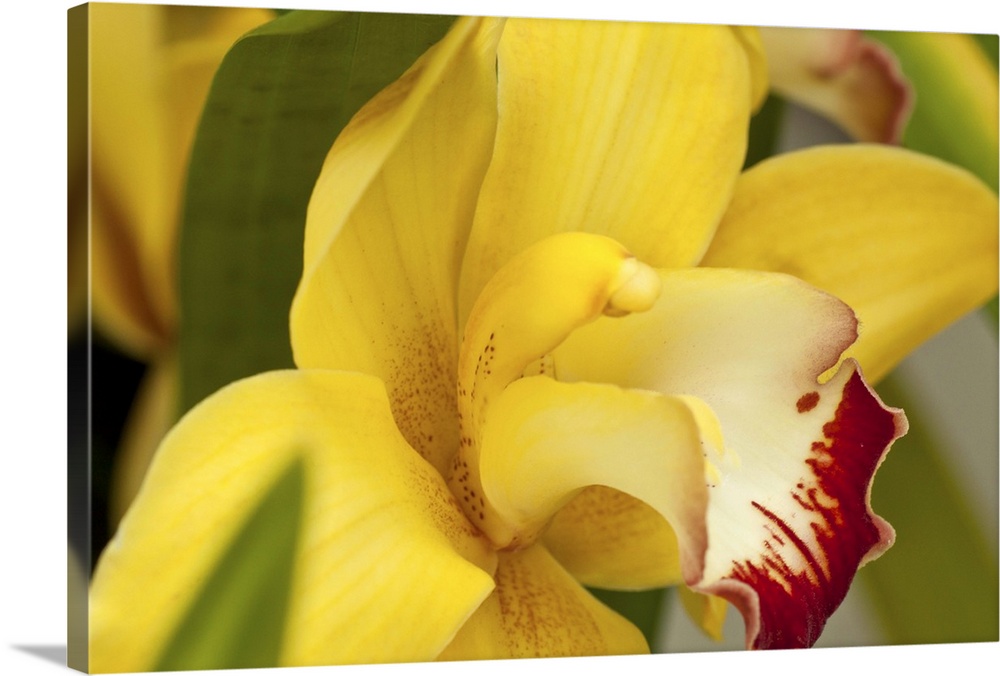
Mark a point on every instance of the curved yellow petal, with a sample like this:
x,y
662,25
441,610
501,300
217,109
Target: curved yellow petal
x,y
385,231
750,38
153,412
529,307
150,70
538,610
708,612
383,545
120,306
611,540
77,174
855,82
77,286
545,441
635,131
134,209
789,520
909,242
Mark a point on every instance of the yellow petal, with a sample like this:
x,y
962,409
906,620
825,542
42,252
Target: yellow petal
x,y
134,208
538,610
608,539
383,544
122,310
788,520
854,81
545,441
705,610
385,231
910,243
149,80
153,412
750,38
635,131
529,307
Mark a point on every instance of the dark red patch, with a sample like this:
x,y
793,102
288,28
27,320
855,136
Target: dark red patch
x,y
843,465
807,402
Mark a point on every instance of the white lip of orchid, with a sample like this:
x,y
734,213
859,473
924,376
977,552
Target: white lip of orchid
x,y
719,462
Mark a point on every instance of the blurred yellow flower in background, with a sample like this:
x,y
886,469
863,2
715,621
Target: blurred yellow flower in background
x,y
150,71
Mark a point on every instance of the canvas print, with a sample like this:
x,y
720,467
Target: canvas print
x,y
407,337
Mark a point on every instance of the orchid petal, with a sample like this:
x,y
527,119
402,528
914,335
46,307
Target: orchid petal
x,y
153,412
151,68
854,81
910,243
545,441
708,612
753,43
383,542
611,540
789,519
611,128
133,211
386,228
538,610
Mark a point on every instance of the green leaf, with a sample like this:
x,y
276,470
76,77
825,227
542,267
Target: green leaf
x,y
956,105
278,101
992,312
643,609
938,583
990,44
765,127
238,619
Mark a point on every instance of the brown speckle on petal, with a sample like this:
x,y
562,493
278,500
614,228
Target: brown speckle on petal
x,y
807,402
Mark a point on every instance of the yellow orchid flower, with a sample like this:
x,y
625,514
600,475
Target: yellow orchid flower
x,y
548,336
150,71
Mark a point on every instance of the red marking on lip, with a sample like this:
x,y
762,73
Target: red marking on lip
x,y
807,402
796,603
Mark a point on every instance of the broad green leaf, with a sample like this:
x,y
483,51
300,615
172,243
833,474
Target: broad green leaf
x,y
237,621
990,44
279,99
938,583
